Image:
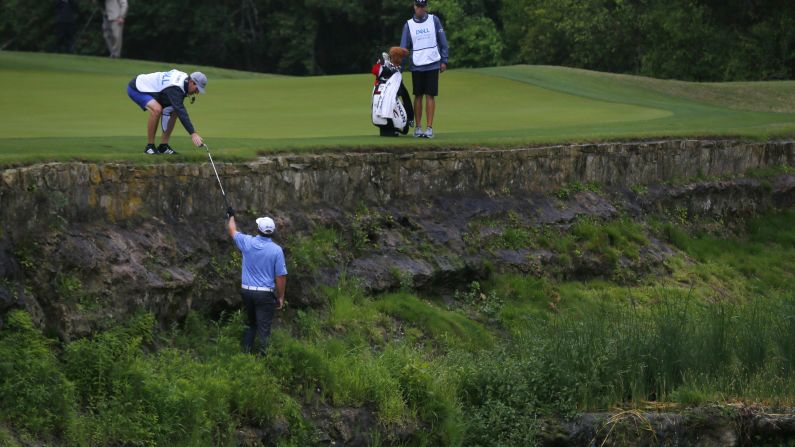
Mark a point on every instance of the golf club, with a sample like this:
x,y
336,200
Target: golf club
x,y
223,193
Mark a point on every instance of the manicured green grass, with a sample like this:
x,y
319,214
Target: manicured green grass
x,y
776,96
60,107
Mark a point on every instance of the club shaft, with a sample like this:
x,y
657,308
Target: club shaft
x,y
217,177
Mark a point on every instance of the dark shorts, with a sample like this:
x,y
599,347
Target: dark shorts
x,y
425,82
142,99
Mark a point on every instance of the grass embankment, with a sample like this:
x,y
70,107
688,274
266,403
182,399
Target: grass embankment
x,y
68,107
480,369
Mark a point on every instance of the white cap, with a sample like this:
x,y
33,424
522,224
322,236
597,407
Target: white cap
x,y
266,225
200,79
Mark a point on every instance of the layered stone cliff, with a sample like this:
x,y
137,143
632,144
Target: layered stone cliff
x,y
115,192
85,243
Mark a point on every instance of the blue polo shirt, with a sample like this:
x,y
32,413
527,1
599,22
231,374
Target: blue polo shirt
x,y
263,260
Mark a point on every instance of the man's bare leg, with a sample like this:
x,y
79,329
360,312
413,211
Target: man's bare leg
x,y
418,116
430,105
155,110
418,111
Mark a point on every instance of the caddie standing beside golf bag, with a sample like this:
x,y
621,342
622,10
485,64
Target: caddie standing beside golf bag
x,y
391,104
166,89
424,36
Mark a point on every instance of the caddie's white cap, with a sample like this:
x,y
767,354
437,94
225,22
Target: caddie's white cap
x,y
200,79
266,225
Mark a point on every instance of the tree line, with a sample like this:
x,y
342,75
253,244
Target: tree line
x,y
700,40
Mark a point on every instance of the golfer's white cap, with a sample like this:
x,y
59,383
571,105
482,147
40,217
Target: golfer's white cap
x,y
200,79
266,225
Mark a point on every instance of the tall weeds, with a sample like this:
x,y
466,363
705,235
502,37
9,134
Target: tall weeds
x,y
625,354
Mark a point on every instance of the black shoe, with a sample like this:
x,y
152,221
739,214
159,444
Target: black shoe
x,y
151,150
166,149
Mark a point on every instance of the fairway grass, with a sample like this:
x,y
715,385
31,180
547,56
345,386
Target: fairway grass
x,y
76,108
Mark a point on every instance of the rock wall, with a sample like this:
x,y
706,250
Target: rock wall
x,y
84,244
731,425
115,192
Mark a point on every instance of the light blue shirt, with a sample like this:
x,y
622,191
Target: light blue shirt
x,y
263,260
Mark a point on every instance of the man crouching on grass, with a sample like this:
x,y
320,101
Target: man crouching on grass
x,y
264,279
155,91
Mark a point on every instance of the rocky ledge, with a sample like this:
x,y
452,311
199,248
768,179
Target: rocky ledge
x,y
715,426
83,245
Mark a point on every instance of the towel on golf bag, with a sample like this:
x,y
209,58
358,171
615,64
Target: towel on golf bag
x,y
386,105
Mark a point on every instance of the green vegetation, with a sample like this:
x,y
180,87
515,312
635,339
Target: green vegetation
x,y
705,40
35,396
700,40
244,114
606,242
486,367
320,249
437,325
567,190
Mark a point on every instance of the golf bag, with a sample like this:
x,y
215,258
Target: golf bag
x,y
392,111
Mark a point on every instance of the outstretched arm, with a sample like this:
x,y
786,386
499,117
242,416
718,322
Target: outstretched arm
x,y
230,225
177,99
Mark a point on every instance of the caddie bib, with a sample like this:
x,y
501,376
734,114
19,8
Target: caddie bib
x,y
159,81
425,49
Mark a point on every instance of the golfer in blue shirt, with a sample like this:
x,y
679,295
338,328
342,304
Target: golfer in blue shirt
x,y
264,279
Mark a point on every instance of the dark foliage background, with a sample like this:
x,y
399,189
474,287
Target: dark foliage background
x,y
703,40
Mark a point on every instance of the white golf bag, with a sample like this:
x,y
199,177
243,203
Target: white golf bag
x,y
385,105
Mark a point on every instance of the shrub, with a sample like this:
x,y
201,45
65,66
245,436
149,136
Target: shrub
x,y
114,386
451,328
366,379
675,236
308,325
172,397
301,366
35,396
99,367
424,388
7,438
497,423
308,253
256,397
504,391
